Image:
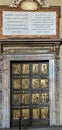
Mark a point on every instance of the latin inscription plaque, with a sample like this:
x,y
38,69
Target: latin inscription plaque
x,y
18,23
29,23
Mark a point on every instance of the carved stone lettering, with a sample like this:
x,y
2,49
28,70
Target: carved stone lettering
x,y
29,23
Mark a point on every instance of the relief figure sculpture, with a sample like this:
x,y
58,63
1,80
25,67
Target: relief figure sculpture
x,y
44,113
16,68
25,98
44,68
35,98
35,83
25,68
44,83
25,83
25,113
35,113
35,68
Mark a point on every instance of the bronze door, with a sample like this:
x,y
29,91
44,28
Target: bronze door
x,y
29,93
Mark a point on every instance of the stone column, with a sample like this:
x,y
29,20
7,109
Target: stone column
x,y
0,88
57,89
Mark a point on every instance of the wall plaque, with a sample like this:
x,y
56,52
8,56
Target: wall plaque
x,y
29,23
43,23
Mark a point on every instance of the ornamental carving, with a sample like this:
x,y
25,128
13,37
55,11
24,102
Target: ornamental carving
x,y
42,3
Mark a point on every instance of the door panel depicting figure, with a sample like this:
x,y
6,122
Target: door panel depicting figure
x,y
29,93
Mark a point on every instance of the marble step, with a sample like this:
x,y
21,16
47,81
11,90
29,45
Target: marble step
x,y
46,128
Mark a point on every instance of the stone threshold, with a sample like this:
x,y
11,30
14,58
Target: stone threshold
x,y
43,128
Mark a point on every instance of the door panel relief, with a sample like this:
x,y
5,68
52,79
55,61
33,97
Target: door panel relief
x,y
30,93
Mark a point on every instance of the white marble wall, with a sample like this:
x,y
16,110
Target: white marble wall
x,y
0,93
6,94
61,86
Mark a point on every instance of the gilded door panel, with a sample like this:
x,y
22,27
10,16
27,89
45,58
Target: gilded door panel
x,y
44,113
16,83
29,92
25,83
44,83
35,83
16,114
25,68
44,68
44,98
16,99
25,98
35,98
25,114
36,113
16,68
35,68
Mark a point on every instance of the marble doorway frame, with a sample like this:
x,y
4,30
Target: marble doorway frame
x,y
6,85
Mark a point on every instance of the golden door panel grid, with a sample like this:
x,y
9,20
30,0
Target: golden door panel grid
x,y
35,68
29,90
36,98
37,113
